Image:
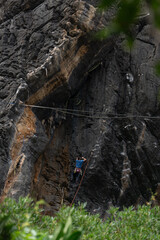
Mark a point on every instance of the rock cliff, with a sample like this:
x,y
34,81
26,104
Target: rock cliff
x,y
99,98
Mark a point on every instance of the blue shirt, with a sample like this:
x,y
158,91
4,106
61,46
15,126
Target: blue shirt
x,y
79,163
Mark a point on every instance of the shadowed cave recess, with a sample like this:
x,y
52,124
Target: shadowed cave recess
x,y
99,96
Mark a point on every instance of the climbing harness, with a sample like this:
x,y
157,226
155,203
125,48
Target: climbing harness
x,y
81,181
79,170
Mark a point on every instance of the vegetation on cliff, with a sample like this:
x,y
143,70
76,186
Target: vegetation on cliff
x,y
130,12
24,220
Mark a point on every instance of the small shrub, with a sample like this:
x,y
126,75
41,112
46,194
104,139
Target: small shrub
x,y
23,221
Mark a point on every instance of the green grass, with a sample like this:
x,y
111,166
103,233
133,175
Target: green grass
x,y
23,220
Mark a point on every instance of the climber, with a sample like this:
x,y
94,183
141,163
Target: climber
x,y
78,170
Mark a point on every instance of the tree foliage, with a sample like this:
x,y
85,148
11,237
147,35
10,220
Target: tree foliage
x,y
128,12
24,220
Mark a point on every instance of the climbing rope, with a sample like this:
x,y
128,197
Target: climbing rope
x,y
77,113
80,181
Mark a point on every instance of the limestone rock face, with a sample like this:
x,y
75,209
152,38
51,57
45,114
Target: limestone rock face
x,y
101,101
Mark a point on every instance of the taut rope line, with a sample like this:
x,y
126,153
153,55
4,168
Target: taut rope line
x,y
77,113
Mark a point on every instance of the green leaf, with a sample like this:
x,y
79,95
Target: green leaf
x,y
127,14
155,6
106,4
58,232
130,40
3,222
107,31
75,236
6,228
68,225
157,68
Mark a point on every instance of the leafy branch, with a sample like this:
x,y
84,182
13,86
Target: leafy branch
x,y
128,12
